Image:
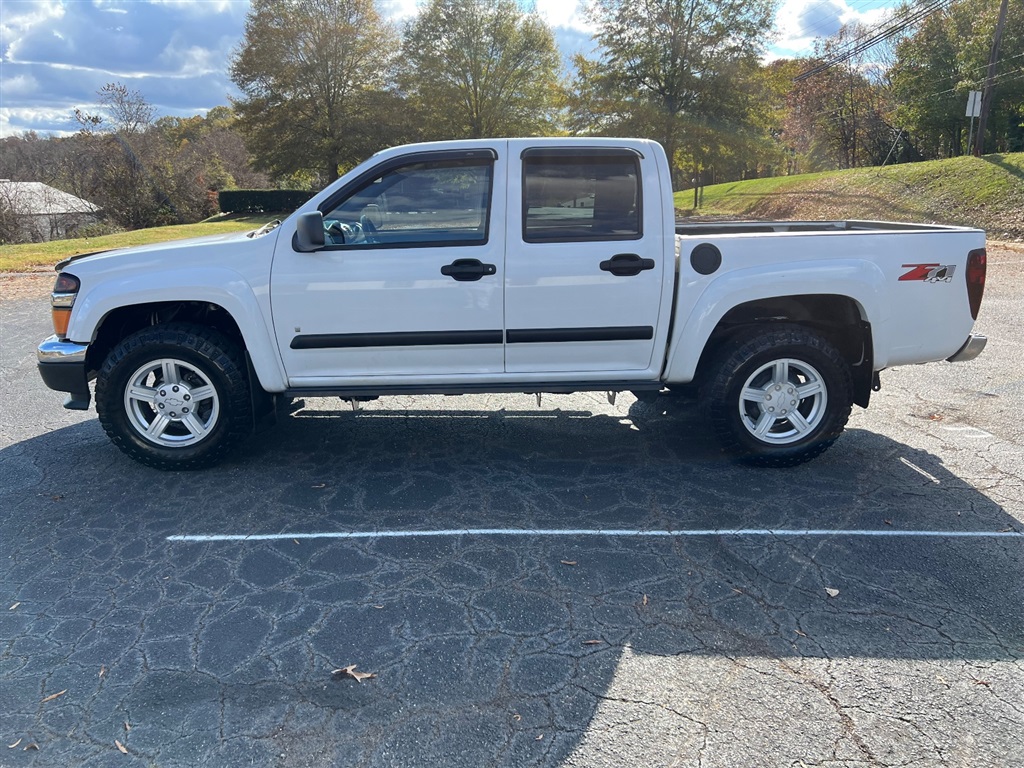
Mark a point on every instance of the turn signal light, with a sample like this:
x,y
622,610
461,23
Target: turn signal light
x,y
61,317
976,268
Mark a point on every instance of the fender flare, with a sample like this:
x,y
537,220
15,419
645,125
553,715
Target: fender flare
x,y
212,285
860,280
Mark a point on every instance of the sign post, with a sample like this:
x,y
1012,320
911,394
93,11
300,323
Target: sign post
x,y
973,111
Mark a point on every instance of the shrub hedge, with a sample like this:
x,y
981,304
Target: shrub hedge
x,y
261,200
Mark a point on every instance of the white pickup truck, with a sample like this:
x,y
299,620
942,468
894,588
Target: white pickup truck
x,y
509,265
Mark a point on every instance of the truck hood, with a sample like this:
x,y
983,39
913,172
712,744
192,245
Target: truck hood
x,y
186,249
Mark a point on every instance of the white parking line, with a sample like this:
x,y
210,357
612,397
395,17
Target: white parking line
x,y
771,532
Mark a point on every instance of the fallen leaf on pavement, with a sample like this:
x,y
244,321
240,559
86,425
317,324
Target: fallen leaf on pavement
x,y
517,717
569,562
121,747
350,671
12,746
831,592
53,696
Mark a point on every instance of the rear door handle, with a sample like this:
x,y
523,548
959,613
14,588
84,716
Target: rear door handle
x,y
626,264
467,270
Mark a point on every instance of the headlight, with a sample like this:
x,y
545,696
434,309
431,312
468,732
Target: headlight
x,y
61,300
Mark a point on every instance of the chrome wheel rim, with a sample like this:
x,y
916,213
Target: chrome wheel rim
x,y
171,403
783,401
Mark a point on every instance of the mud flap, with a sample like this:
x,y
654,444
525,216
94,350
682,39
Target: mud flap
x,y
264,404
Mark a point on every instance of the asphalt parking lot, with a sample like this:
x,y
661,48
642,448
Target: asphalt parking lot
x,y
864,609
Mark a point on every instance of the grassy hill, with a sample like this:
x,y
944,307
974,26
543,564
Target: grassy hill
x,y
986,192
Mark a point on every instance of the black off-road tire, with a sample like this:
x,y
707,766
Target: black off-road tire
x,y
734,417
217,359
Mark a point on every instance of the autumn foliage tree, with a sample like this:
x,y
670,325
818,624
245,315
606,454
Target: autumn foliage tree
x,y
311,73
475,68
678,71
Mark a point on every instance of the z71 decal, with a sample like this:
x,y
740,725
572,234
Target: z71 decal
x,y
929,273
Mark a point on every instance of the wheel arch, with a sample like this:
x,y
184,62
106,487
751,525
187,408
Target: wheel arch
x,y
839,319
123,321
239,320
849,320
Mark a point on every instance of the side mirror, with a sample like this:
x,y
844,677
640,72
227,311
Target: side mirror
x,y
309,232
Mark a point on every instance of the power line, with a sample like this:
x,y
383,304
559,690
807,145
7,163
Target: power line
x,y
875,36
872,37
997,79
810,30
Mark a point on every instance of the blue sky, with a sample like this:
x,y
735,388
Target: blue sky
x,y
57,53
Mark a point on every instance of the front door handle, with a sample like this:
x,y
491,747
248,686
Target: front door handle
x,y
626,265
466,270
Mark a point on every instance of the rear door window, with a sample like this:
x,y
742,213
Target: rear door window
x,y
581,196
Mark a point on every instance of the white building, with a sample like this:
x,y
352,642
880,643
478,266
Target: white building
x,y
35,212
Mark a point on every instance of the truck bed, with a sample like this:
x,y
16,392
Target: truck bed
x,y
708,228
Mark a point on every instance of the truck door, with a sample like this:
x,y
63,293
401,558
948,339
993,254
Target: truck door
x,y
584,262
410,281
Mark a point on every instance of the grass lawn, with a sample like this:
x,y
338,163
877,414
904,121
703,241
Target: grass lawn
x,y
19,258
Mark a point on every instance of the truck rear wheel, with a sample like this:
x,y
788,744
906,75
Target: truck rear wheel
x,y
174,396
778,397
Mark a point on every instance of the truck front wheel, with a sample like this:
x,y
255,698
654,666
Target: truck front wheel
x,y
778,397
174,396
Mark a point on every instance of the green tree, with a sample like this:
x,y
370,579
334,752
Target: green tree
x,y
309,71
476,68
679,71
942,61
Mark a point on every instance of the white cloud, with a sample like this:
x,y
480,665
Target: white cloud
x,y
191,61
18,120
18,85
565,14
800,22
398,10
200,6
20,16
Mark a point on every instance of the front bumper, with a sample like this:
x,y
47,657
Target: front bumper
x,y
971,349
62,367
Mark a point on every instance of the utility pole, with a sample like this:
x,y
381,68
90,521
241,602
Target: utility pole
x,y
986,97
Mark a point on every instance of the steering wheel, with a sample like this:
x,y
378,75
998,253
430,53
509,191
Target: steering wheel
x,y
369,229
337,232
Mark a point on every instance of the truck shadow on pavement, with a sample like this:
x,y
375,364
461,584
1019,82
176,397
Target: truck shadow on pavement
x,y
487,649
